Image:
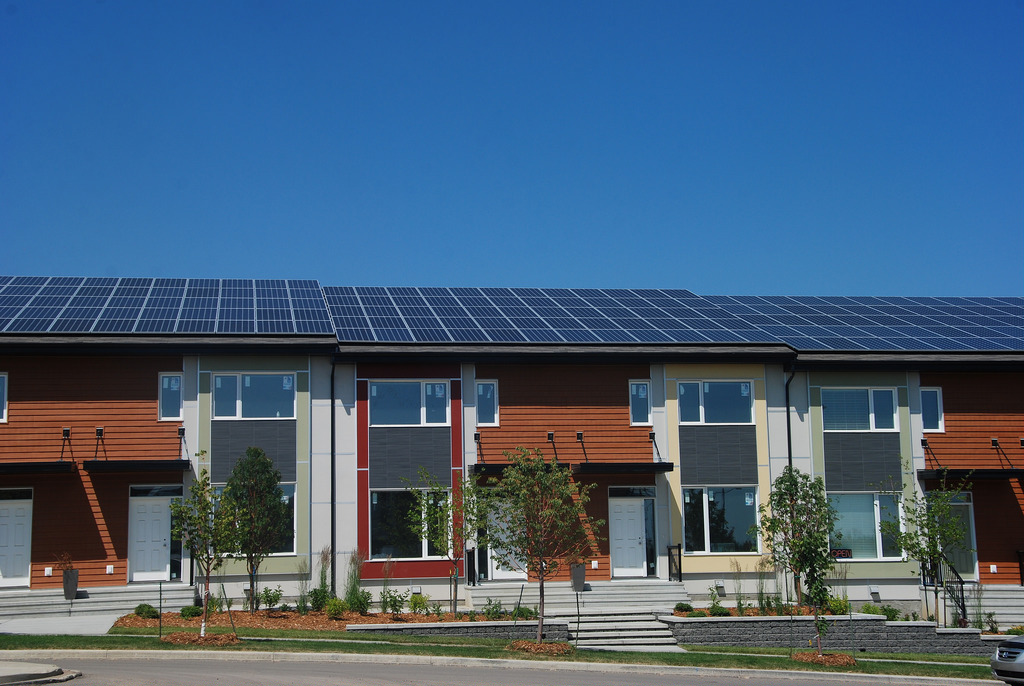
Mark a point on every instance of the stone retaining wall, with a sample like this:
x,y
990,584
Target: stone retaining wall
x,y
553,631
871,633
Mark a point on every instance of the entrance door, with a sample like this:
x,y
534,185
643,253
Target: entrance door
x,y
15,536
963,556
628,533
150,531
500,571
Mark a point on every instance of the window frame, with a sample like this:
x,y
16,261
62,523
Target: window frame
x,y
872,423
423,402
3,397
877,510
700,401
707,519
480,382
218,488
239,409
160,397
650,418
424,543
941,414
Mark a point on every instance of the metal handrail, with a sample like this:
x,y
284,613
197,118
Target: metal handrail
x,y
952,583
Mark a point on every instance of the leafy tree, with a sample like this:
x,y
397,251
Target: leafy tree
x,y
932,528
205,525
796,525
261,515
543,522
448,518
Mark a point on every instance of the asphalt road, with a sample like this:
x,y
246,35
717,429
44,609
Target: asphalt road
x,y
192,672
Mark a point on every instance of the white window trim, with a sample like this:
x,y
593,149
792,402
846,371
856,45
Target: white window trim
x,y
424,544
871,409
3,399
707,520
160,395
496,421
423,402
878,528
942,415
650,408
219,490
238,401
700,387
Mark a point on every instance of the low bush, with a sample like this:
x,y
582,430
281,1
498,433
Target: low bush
x,y
334,608
869,609
318,597
719,611
838,606
270,597
523,612
493,610
419,603
190,612
1016,630
684,607
697,613
891,613
146,611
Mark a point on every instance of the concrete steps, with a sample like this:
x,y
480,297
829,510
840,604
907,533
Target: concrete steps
x,y
610,631
1007,602
102,600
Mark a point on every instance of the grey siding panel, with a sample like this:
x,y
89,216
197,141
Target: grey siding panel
x,y
713,455
229,440
397,453
862,461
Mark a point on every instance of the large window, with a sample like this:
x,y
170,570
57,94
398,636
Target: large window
x,y
287,544
170,397
640,403
391,534
718,519
859,522
254,396
858,409
408,403
3,397
487,403
715,402
931,409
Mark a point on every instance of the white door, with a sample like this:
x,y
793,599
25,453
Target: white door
x,y
628,537
150,532
499,571
963,556
15,542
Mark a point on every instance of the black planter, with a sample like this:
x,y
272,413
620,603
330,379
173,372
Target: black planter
x,y
578,574
70,584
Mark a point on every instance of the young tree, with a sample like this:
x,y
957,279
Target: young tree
x,y
260,513
932,529
205,526
796,525
448,518
543,522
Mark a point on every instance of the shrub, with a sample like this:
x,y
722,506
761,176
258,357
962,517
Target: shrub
x,y
190,612
302,604
359,601
285,607
523,612
334,608
869,609
1016,630
719,611
146,611
684,607
270,597
435,609
318,598
891,613
215,603
697,613
392,601
838,606
493,610
419,603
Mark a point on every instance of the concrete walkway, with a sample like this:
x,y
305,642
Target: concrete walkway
x,y
41,673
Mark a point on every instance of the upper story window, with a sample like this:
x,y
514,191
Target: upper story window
x,y
487,403
254,396
931,409
858,409
170,396
716,402
640,402
3,397
408,403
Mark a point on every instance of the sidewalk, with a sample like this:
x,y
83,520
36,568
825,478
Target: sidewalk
x,y
40,673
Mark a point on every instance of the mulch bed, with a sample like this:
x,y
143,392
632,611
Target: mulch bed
x,y
264,619
188,638
826,659
552,648
798,611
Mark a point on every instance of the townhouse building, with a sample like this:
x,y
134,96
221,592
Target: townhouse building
x,y
680,409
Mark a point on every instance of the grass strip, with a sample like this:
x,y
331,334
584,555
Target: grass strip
x,y
485,651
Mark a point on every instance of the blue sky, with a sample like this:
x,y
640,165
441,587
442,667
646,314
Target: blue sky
x,y
725,147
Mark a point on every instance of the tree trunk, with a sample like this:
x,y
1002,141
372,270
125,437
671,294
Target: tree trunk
x,y
206,606
540,613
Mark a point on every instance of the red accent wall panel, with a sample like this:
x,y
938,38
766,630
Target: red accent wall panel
x,y
362,424
456,414
363,509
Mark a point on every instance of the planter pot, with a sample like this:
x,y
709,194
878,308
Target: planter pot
x,y
579,577
70,584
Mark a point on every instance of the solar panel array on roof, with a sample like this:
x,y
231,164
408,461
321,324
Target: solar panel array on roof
x,y
628,316
77,305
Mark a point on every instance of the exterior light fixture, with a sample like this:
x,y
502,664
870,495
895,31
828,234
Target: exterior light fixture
x,y
924,443
995,442
579,436
181,432
99,432
65,432
476,436
551,436
650,435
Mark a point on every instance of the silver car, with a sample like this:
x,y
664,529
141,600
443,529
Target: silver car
x,y
1008,662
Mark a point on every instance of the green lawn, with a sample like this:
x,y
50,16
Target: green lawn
x,y
315,642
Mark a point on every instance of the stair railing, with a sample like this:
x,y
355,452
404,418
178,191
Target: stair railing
x,y
953,584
